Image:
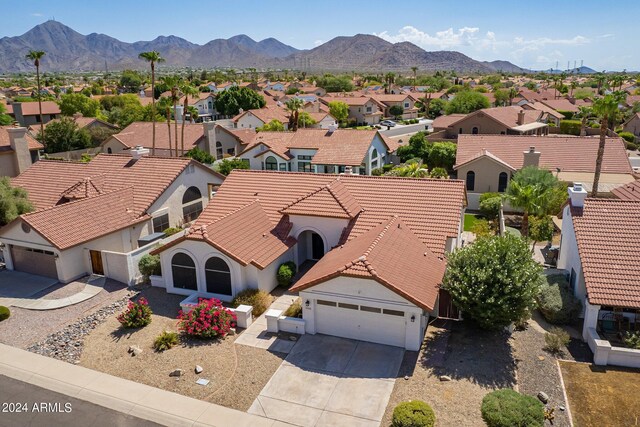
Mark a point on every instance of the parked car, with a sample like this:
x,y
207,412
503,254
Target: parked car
x,y
389,123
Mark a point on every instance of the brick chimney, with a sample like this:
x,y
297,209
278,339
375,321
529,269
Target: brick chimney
x,y
531,157
17,113
577,194
520,117
19,144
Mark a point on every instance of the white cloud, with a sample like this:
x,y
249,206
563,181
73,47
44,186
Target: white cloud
x,y
37,14
445,39
318,42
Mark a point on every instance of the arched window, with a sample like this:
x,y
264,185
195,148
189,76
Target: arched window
x,y
218,150
471,180
191,204
210,105
109,150
475,130
503,179
374,158
192,193
184,272
271,164
218,276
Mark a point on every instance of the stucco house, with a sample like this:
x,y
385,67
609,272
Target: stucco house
x,y
206,106
600,252
375,248
487,162
101,217
18,150
633,125
28,113
364,110
255,118
511,120
406,101
311,150
141,134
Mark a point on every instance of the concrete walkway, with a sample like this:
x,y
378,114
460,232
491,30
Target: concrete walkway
x,y
122,395
256,334
93,286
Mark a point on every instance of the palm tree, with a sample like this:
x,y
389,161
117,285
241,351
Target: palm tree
x,y
411,170
600,78
427,99
173,83
415,76
584,113
165,104
152,58
187,90
606,109
36,56
293,106
513,92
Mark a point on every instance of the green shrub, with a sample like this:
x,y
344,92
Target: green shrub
x,y
508,408
286,271
295,309
149,265
414,413
556,301
165,341
377,171
387,168
4,313
137,314
631,146
627,136
481,228
439,173
490,205
556,339
208,319
570,127
568,115
259,300
171,231
632,340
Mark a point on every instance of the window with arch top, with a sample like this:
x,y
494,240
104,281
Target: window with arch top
x,y
218,276
503,180
471,180
271,164
183,270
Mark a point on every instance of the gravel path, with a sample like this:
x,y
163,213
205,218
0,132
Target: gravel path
x,y
237,373
26,327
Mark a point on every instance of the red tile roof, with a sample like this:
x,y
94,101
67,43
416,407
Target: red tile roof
x,y
561,104
608,237
570,154
332,200
389,253
5,144
32,109
140,133
629,191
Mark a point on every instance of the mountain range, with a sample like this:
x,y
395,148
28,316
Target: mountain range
x,y
68,50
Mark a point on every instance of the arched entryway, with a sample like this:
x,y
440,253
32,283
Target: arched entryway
x,y
311,246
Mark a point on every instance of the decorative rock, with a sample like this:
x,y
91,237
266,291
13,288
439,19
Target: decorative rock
x,y
198,369
176,373
232,331
540,358
562,408
543,397
445,378
137,351
406,377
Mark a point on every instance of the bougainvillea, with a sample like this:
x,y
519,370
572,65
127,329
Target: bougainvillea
x,y
137,314
208,319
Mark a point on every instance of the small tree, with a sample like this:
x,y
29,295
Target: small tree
x,y
466,102
339,110
442,155
200,155
540,229
396,111
490,205
149,265
13,201
495,280
227,165
64,135
78,103
273,126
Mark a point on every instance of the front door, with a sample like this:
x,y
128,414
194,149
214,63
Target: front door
x,y
317,246
96,262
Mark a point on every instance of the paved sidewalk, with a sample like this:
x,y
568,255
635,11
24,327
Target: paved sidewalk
x,y
93,286
256,334
122,395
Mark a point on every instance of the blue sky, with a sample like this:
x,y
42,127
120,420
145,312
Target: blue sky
x,y
529,34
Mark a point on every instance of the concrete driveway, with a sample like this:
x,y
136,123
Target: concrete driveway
x,y
331,381
16,284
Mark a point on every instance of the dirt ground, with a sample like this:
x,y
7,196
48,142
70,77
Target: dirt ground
x,y
476,361
602,396
237,373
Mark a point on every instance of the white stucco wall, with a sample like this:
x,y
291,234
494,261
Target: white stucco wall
x,y
364,292
249,121
569,257
330,229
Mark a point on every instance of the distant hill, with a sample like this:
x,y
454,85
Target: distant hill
x,y
504,66
68,50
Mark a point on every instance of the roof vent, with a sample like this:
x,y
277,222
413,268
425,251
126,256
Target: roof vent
x,y
332,128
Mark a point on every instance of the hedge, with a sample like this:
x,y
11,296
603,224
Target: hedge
x,y
556,301
508,408
413,414
570,127
4,313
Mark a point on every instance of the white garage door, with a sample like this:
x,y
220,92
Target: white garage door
x,y
361,322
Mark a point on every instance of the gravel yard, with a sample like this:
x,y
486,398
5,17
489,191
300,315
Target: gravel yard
x,y
26,327
476,361
237,373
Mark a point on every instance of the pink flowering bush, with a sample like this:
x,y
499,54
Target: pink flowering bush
x,y
137,314
208,319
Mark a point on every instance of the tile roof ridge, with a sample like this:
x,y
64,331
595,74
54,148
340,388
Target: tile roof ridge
x,y
72,202
338,198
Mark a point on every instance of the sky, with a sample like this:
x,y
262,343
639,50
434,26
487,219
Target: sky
x,y
530,34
